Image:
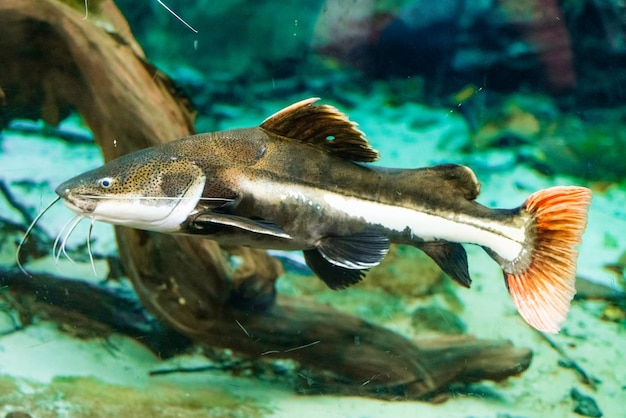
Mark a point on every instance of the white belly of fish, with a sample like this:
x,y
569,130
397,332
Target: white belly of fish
x,y
152,213
505,240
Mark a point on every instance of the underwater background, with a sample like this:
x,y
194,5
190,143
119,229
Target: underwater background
x,y
528,94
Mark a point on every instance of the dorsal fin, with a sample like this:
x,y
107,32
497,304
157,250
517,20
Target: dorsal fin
x,y
322,126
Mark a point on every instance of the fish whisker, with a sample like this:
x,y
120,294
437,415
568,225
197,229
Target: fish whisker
x,y
93,265
71,229
57,241
27,233
206,199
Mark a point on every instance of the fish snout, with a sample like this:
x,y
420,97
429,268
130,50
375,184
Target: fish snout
x,y
62,190
76,202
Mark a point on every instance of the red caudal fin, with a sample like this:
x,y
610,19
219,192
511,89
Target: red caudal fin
x,y
542,292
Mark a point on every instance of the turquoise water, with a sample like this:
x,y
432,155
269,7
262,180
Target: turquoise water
x,y
529,96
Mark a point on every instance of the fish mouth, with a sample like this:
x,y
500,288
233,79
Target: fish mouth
x,y
78,204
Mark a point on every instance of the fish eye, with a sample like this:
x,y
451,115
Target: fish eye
x,y
105,182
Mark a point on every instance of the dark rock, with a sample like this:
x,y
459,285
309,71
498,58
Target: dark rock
x,y
18,414
585,405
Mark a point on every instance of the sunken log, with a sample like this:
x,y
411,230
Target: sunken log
x,y
54,60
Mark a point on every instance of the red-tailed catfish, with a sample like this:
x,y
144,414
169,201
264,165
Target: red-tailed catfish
x,y
299,182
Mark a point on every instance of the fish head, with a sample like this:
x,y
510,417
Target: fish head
x,y
146,190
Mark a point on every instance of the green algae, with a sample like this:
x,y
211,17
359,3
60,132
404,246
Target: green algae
x,y
586,148
584,144
437,318
518,119
7,386
406,281
407,272
92,398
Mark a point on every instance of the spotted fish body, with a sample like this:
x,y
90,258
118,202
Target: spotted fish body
x,y
300,181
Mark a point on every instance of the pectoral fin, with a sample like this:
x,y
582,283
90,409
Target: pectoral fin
x,y
211,223
451,258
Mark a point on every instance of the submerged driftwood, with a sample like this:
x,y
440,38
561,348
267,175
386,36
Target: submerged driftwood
x,y
55,60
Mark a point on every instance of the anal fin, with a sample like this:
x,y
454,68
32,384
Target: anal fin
x,y
334,276
451,258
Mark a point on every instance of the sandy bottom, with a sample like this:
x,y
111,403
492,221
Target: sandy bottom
x,y
36,357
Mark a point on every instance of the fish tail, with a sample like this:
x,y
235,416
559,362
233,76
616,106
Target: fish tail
x,y
543,287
